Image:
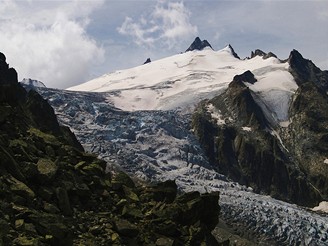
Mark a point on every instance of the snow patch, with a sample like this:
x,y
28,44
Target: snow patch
x,y
284,123
246,128
325,161
323,207
215,114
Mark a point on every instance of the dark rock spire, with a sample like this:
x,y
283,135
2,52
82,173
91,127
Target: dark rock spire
x,y
147,61
198,45
233,52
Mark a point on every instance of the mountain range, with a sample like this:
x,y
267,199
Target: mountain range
x,y
254,129
231,99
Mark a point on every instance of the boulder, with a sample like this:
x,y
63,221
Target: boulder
x,y
63,201
47,170
125,228
20,188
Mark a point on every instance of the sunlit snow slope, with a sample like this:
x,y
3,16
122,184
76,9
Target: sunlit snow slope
x,y
182,80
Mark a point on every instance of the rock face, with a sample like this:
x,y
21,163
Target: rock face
x,y
52,193
306,136
305,71
233,52
261,53
147,61
240,140
198,45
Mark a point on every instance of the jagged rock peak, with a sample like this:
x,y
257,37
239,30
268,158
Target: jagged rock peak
x,y
295,57
8,75
3,63
2,57
229,47
305,70
261,53
147,61
198,45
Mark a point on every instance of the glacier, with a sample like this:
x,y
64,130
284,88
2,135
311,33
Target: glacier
x,y
139,120
159,145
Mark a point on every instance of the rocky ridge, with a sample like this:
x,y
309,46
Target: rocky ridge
x,y
285,161
53,193
237,139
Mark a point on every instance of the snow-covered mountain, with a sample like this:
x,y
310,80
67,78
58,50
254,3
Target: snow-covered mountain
x,y
143,119
183,80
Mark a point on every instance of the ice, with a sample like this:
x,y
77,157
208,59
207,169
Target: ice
x,y
323,207
158,145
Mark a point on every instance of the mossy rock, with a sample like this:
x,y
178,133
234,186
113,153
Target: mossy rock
x,y
94,169
120,179
130,194
47,138
161,192
26,241
125,228
164,241
47,170
20,188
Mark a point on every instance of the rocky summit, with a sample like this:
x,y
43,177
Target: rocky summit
x,y
287,160
53,193
198,44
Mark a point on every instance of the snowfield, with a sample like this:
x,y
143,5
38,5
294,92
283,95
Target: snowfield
x,y
182,80
139,118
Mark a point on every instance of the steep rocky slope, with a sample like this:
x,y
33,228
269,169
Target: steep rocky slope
x,y
284,156
53,193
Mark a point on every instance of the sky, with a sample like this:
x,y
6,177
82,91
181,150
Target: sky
x,y
67,42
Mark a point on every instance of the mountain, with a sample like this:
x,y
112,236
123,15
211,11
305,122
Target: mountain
x,y
198,45
214,122
54,193
31,83
183,80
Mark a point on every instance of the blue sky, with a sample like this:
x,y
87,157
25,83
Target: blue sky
x,y
64,43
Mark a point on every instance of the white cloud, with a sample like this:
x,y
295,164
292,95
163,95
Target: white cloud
x,y
167,23
139,31
47,40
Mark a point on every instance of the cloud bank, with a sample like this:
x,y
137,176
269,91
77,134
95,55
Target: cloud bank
x,y
164,25
47,41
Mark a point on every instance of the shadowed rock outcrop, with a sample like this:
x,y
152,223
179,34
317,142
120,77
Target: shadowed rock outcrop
x,y
242,146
